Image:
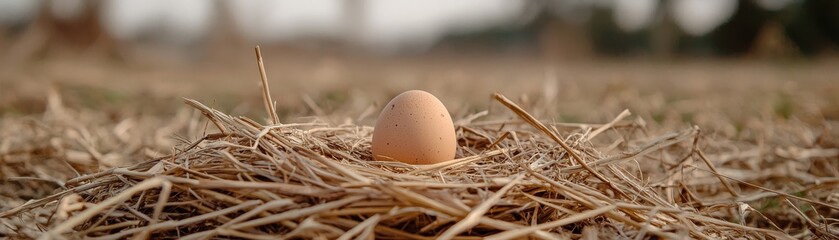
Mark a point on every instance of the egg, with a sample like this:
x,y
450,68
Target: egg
x,y
415,128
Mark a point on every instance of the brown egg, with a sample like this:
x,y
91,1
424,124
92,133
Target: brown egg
x,y
415,128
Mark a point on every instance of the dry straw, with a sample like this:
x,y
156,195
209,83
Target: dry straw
x,y
306,180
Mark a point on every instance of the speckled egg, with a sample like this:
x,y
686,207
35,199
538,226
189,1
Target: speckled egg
x,y
415,128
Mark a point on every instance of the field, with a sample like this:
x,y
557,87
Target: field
x,y
591,148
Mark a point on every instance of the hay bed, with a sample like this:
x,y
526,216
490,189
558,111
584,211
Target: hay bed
x,y
515,178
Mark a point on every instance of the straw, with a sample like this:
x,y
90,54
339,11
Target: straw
x,y
515,176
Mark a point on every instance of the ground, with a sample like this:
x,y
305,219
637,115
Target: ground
x,y
773,123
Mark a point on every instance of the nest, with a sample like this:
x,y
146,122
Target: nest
x,y
513,178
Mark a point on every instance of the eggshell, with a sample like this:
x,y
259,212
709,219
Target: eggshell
x,y
415,128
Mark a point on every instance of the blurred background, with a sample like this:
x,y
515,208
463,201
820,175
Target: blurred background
x,y
328,57
94,84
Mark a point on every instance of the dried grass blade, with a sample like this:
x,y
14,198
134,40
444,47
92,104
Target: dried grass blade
x,y
334,165
68,225
459,161
266,92
420,200
281,187
473,218
625,113
369,223
558,223
538,125
662,142
174,224
297,213
834,207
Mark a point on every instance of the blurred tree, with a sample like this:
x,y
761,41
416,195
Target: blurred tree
x,y
67,25
812,25
608,38
734,37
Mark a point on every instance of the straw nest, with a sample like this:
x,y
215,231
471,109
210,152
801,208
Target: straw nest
x,y
308,180
513,178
